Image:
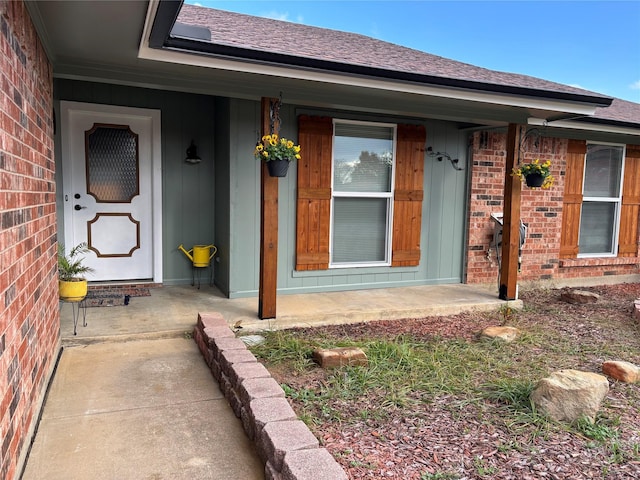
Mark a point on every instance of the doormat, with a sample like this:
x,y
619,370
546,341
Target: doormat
x,y
108,296
99,299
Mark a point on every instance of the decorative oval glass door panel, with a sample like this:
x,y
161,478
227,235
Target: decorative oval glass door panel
x,y
112,164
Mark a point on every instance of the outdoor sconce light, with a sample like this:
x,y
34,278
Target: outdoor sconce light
x,y
442,155
192,154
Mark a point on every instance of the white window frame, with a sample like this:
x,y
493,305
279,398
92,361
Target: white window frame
x,y
617,200
388,195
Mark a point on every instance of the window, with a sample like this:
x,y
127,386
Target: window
x,y
601,203
358,209
601,200
363,158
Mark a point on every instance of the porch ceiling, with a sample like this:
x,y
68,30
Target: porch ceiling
x,y
106,41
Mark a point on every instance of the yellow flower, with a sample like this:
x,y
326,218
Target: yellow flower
x,y
535,167
548,182
275,148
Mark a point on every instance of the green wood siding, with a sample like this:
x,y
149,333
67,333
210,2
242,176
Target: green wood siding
x,y
443,218
217,201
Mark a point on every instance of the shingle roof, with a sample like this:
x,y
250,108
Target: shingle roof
x,y
620,111
306,42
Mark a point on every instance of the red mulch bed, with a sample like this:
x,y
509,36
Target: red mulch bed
x,y
450,439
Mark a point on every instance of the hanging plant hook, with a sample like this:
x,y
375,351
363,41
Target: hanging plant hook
x,y
442,155
274,114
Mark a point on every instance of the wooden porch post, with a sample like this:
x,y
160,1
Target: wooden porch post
x,y
268,220
511,218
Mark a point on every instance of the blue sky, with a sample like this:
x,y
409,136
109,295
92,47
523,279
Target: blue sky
x,y
593,45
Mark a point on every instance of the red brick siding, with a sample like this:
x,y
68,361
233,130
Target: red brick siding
x,y
540,209
29,322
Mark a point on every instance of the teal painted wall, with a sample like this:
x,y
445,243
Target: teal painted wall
x,y
222,194
218,200
189,207
244,209
443,224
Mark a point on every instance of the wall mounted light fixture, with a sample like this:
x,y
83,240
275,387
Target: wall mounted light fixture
x,y
192,154
442,155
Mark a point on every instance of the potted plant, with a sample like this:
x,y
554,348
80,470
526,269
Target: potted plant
x,y
277,152
72,285
535,174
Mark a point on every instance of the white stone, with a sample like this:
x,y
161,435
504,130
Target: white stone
x,y
567,395
252,340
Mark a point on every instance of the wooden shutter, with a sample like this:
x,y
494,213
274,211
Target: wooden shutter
x,y
628,238
315,136
572,201
407,201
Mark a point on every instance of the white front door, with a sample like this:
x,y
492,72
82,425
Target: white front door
x,y
111,170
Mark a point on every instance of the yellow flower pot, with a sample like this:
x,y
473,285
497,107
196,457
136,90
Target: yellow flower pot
x,y
73,290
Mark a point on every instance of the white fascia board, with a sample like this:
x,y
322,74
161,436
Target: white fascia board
x,y
589,127
174,56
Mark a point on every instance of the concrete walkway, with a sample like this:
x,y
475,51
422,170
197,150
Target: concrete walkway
x,y
139,410
132,397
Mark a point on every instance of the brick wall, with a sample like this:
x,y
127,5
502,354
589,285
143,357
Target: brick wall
x,y
29,322
540,209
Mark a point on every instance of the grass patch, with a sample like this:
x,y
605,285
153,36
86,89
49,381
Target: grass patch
x,y
401,372
467,397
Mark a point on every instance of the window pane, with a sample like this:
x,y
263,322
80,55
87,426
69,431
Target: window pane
x,y
596,227
602,171
363,156
359,230
112,163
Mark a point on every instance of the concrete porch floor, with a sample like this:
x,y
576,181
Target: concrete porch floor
x,y
172,310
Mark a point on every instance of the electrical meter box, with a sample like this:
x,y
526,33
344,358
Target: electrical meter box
x,y
497,231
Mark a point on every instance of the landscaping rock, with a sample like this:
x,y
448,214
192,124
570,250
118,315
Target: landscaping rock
x,y
624,371
252,340
507,334
567,395
579,297
636,310
337,357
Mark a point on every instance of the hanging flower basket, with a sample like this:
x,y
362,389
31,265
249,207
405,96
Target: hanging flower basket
x,y
278,167
277,152
534,180
535,174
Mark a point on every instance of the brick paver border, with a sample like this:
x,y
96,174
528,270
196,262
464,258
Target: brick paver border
x,y
284,443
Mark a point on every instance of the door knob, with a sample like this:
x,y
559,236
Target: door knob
x,y
78,207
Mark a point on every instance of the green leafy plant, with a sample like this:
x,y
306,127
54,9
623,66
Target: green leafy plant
x,y
70,266
276,148
535,167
